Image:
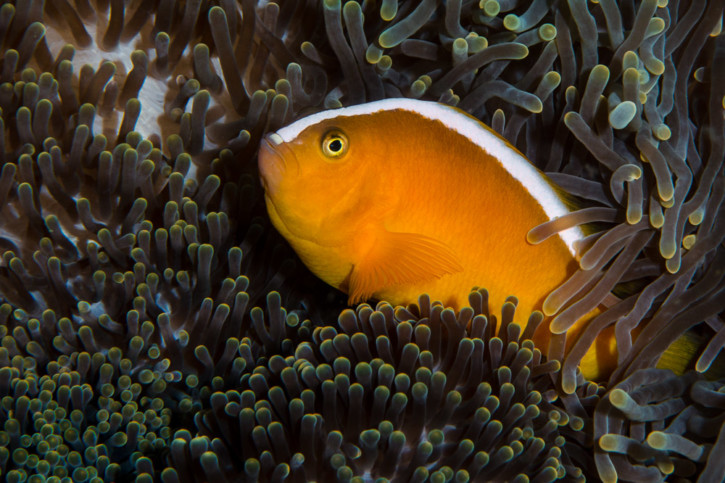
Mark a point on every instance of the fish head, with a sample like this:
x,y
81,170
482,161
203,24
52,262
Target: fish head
x,y
322,183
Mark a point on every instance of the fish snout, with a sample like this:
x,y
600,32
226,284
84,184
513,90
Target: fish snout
x,y
271,161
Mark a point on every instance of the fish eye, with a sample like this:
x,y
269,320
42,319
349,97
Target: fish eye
x,y
334,144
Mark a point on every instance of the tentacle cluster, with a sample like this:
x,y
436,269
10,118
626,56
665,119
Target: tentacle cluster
x,y
654,426
142,290
405,394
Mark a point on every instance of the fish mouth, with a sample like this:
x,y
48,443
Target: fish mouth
x,y
274,160
270,161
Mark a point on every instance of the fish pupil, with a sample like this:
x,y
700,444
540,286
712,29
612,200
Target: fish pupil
x,y
335,145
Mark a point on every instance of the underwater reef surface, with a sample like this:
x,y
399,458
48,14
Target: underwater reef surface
x,y
156,328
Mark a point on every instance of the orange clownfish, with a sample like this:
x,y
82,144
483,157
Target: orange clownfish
x,y
398,197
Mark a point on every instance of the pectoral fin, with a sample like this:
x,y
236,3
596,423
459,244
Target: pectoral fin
x,y
399,258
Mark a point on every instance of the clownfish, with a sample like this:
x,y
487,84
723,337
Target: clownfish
x,y
399,197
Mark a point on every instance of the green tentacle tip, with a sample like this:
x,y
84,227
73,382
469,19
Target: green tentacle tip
x,y
547,32
673,264
373,54
476,43
630,60
490,7
417,89
568,383
600,73
666,192
390,38
662,132
697,216
569,118
385,63
634,214
460,48
512,22
552,304
534,105
388,10
621,400
622,114
674,442
667,248
520,51
656,25
551,80
655,66
689,241
612,443
630,172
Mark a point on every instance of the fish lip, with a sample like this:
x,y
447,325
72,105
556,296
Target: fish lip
x,y
276,146
268,144
270,161
273,139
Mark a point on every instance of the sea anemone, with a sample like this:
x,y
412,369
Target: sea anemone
x,y
87,417
405,394
143,291
654,425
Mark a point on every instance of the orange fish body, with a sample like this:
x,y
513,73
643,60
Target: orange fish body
x,y
399,197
